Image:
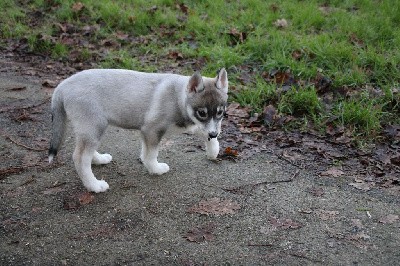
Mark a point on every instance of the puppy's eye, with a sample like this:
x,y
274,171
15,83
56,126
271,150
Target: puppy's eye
x,y
220,113
202,113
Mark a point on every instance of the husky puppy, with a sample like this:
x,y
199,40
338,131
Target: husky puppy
x,y
155,104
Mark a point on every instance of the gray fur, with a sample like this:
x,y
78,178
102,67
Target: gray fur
x,y
152,103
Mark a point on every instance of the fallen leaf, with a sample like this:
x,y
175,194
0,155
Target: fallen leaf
x,y
393,131
327,215
270,115
175,55
237,36
297,54
274,8
85,198
77,201
184,8
121,36
285,223
153,9
49,83
389,219
359,236
71,203
281,23
234,109
291,155
201,234
231,152
333,171
78,6
357,224
395,160
316,191
362,185
215,206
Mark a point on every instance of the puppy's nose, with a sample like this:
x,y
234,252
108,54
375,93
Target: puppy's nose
x,y
212,134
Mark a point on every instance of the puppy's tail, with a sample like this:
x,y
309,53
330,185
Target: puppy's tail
x,y
58,119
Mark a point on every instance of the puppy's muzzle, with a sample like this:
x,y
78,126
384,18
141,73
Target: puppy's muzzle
x,y
212,134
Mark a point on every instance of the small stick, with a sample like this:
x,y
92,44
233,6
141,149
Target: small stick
x,y
259,245
23,145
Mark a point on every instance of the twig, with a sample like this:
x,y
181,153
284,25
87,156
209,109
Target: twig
x,y
30,180
11,170
24,107
23,145
253,186
295,174
4,172
259,245
289,161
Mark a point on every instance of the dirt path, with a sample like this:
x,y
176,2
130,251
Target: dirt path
x,y
259,211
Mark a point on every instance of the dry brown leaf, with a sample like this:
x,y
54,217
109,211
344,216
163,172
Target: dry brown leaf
x,y
49,83
184,8
362,185
85,198
357,223
389,219
327,215
201,234
281,23
77,201
78,6
316,191
215,206
270,114
234,109
231,152
333,171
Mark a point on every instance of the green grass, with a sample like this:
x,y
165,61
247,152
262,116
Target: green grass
x,y
257,96
303,101
362,116
353,43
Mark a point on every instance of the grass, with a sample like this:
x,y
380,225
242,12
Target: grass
x,y
353,43
303,101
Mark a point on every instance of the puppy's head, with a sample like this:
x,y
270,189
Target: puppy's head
x,y
207,100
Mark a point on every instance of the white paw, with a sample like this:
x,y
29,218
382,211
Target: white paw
x,y
212,149
97,186
101,158
159,168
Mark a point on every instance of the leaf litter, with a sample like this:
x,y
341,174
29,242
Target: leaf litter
x,y
389,219
201,233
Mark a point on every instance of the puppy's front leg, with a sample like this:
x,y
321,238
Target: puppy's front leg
x,y
149,154
212,148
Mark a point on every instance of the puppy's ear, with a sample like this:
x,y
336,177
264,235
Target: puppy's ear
x,y
195,83
222,80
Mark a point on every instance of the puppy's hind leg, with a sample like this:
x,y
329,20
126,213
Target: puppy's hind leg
x,y
83,155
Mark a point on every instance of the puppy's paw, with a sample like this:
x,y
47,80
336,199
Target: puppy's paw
x,y
97,186
159,168
104,158
212,149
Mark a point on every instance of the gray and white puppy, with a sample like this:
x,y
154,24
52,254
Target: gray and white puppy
x,y
155,104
